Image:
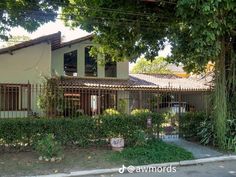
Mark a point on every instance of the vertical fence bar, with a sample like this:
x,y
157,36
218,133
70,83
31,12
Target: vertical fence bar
x,y
140,99
99,100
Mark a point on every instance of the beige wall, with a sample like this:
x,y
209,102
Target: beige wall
x,y
58,62
27,64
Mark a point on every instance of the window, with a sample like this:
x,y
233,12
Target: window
x,y
110,69
90,64
9,98
70,63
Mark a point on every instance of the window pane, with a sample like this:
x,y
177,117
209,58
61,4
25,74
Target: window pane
x,y
110,69
70,63
9,98
90,63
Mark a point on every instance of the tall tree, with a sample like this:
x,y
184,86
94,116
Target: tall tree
x,y
156,66
15,40
29,14
199,31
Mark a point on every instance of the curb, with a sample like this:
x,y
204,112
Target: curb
x,y
116,170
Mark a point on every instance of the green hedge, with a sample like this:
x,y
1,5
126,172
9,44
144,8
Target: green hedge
x,y
189,124
82,131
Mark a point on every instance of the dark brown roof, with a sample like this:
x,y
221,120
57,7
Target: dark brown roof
x,y
137,81
81,39
54,39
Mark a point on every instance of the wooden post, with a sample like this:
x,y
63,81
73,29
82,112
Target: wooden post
x,y
179,98
29,99
140,99
99,100
158,101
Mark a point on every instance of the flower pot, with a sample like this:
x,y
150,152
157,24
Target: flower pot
x,y
117,144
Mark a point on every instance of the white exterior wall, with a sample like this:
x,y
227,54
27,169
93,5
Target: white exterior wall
x,y
27,64
58,62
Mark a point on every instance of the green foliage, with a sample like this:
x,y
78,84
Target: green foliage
x,y
111,112
156,66
189,124
51,97
48,147
85,131
205,132
138,138
136,112
28,14
122,105
153,152
231,144
124,30
15,40
220,103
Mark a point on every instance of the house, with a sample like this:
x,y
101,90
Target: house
x,y
88,87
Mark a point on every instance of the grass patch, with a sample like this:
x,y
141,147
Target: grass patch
x,y
154,151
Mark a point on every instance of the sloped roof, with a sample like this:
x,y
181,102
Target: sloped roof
x,y
54,39
81,39
137,81
169,81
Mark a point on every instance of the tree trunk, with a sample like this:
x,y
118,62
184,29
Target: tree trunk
x,y
220,98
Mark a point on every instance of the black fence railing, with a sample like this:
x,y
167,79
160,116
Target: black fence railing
x,y
48,100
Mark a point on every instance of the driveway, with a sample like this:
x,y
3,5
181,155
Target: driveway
x,y
198,151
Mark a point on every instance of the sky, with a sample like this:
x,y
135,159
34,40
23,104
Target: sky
x,y
67,34
49,28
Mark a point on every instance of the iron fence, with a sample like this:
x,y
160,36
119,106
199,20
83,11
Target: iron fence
x,y
71,100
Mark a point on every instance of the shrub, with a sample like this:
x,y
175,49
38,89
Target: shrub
x,y
205,131
122,105
154,151
48,147
84,131
138,138
140,111
189,123
111,112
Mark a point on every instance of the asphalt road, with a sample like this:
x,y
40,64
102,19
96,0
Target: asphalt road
x,y
218,169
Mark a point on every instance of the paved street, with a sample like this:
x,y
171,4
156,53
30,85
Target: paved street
x,y
219,169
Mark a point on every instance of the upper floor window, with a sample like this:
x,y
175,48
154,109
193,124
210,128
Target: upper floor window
x,y
90,63
70,63
110,69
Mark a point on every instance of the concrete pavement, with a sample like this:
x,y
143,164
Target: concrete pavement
x,y
216,169
198,151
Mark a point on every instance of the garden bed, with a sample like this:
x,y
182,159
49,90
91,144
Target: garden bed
x,y
27,163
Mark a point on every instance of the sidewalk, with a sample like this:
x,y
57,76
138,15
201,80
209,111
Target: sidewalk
x,y
198,151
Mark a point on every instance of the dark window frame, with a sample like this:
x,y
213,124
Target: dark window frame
x,y
70,70
110,65
90,64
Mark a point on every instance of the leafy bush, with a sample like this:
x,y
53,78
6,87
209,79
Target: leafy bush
x,y
111,112
122,105
85,131
138,138
205,132
48,147
189,123
154,151
140,111
51,97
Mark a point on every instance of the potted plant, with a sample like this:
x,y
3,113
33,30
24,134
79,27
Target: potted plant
x,y
117,143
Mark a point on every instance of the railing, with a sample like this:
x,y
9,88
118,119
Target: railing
x,y
44,100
